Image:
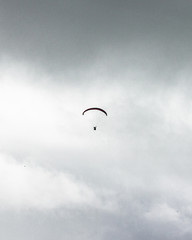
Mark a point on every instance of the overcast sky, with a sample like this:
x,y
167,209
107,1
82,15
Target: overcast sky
x,y
129,180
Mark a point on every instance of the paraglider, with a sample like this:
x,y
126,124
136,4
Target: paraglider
x,y
95,109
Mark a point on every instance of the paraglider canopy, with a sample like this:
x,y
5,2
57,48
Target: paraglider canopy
x,y
95,118
95,108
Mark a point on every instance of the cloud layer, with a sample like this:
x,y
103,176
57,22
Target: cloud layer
x,y
130,179
133,171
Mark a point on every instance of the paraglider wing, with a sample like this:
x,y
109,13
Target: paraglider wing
x,y
95,108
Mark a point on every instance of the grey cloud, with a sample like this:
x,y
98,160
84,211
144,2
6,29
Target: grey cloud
x,y
76,34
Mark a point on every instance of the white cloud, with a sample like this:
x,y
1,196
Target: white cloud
x,y
57,161
23,186
162,212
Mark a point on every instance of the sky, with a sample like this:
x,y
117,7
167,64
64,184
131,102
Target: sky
x,y
130,179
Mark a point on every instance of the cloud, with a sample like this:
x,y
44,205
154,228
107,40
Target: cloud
x,y
75,35
131,178
26,186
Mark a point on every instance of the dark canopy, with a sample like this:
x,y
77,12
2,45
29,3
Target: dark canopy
x,y
95,108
